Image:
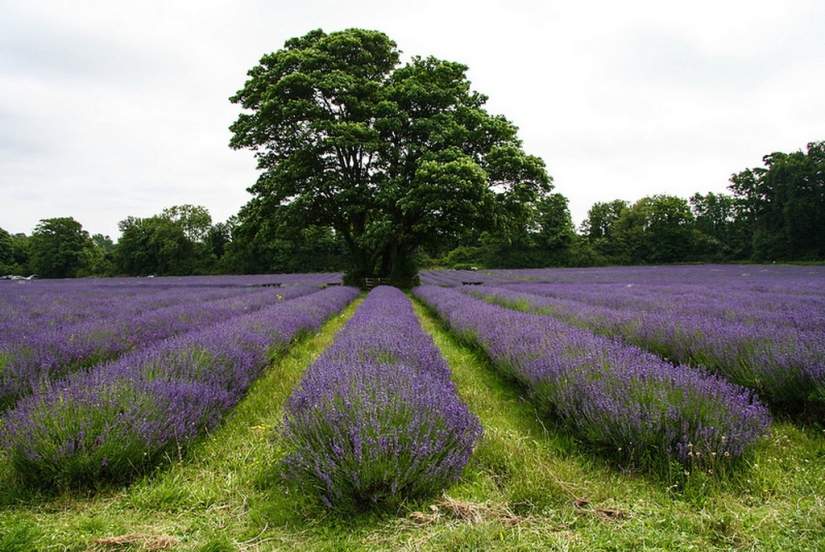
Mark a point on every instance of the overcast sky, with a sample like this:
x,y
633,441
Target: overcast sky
x,y
111,108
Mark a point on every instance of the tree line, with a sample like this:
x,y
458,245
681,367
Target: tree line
x,y
378,169
774,213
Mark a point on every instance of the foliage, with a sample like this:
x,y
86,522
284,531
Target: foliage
x,y
775,213
543,237
6,252
169,244
554,230
601,218
104,243
151,246
784,205
258,247
464,257
219,236
195,220
654,230
22,253
391,158
60,248
720,235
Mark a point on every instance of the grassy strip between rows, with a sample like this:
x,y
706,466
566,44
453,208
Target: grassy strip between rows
x,y
527,487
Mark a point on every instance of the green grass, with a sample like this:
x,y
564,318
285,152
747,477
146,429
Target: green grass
x,y
527,487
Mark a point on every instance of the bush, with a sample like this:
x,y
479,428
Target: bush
x,y
376,420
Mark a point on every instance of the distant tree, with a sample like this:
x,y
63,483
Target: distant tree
x,y
60,248
720,234
194,219
555,230
597,227
172,243
218,237
104,243
20,250
153,245
784,204
713,213
103,258
541,239
600,219
258,247
390,158
6,252
654,230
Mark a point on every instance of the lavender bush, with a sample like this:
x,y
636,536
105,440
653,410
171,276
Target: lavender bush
x,y
53,352
118,419
780,357
619,398
30,307
376,419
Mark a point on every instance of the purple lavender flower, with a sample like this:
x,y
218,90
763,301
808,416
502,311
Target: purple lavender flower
x,y
376,419
761,343
108,329
617,397
151,403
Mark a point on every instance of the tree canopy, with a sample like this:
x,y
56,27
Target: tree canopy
x,y
60,248
6,252
176,242
655,229
389,157
783,204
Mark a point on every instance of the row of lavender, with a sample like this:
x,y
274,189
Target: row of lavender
x,y
782,296
801,310
617,397
118,419
758,278
376,419
54,351
55,304
773,345
762,326
29,306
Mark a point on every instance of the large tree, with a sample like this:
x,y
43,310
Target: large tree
x,y
597,229
721,235
653,230
61,248
172,243
784,204
389,157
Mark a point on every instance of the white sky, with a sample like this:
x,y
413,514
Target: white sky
x,y
114,108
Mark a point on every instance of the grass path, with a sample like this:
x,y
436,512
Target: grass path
x,y
527,487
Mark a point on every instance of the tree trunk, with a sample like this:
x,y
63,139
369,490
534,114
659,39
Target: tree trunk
x,y
403,271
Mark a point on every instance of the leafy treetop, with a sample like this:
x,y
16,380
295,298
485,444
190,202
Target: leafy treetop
x,y
390,157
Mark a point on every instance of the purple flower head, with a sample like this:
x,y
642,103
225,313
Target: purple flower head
x,y
376,419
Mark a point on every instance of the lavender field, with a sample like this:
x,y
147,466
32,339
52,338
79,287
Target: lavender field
x,y
756,326
376,419
107,394
518,409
